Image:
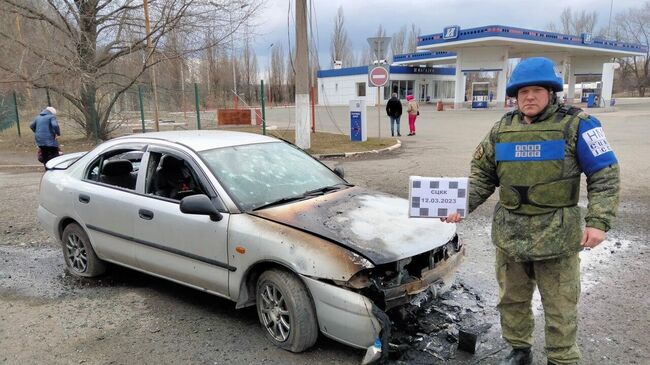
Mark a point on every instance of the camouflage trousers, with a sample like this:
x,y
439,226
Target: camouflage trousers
x,y
558,281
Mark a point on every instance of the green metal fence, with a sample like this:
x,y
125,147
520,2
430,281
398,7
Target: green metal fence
x,y
9,111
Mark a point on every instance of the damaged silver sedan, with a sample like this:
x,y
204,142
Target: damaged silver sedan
x,y
252,219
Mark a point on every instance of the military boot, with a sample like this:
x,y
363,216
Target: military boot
x,y
518,357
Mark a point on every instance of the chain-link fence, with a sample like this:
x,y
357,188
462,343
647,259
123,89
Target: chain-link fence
x,y
192,107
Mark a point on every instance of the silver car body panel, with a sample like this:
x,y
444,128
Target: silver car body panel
x,y
265,241
344,315
190,248
201,140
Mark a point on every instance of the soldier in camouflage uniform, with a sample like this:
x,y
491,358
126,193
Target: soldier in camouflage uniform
x,y
535,155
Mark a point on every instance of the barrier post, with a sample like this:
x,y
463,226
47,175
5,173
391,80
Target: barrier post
x,y
196,101
141,108
263,109
16,111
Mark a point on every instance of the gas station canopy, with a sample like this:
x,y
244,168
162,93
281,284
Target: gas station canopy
x,y
489,48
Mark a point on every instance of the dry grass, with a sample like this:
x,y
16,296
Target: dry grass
x,y
324,143
321,143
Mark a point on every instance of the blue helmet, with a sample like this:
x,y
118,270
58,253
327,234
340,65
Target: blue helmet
x,y
535,71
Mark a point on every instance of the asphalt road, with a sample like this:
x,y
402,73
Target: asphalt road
x,y
126,317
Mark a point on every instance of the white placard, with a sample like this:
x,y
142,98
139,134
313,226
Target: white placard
x,y
434,197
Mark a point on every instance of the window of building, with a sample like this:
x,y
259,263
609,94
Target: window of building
x,y
443,89
361,89
401,87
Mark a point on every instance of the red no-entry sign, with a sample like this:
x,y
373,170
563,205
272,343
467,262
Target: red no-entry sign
x,y
378,76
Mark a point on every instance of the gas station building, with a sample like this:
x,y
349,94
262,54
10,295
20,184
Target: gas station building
x,y
483,49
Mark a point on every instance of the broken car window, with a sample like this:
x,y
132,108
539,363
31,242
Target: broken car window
x,y
258,174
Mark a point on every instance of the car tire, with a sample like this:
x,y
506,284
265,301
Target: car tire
x,y
286,311
80,258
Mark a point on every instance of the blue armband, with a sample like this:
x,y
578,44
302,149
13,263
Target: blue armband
x,y
593,150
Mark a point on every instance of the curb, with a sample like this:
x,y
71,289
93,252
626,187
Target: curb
x,y
349,154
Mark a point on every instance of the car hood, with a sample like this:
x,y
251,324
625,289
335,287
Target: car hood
x,y
373,224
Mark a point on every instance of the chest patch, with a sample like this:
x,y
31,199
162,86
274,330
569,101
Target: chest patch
x,y
596,141
530,151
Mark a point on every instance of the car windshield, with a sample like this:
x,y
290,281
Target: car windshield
x,y
258,175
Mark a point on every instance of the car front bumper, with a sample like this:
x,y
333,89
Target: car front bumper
x,y
355,320
344,315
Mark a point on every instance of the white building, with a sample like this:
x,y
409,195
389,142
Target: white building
x,y
426,74
426,84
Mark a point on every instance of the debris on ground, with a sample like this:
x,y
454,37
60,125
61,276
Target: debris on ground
x,y
431,331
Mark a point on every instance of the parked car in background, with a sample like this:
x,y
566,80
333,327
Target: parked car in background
x,y
252,219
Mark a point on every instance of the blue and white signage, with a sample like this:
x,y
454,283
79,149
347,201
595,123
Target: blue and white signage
x,y
450,32
586,38
358,123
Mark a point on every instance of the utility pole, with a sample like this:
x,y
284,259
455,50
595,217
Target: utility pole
x,y
152,70
303,138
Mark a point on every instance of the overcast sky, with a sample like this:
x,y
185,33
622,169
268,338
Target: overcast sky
x,y
362,17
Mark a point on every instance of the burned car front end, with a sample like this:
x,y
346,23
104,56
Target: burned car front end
x,y
355,311
406,260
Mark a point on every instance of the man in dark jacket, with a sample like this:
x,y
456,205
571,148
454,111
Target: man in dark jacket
x,y
46,128
394,111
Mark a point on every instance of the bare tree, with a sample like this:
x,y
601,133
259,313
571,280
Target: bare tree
x,y
91,51
413,38
340,43
277,73
249,71
575,23
633,26
398,42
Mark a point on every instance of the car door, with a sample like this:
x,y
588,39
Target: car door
x,y
191,249
104,204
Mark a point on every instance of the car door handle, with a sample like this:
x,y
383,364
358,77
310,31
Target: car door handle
x,y
84,198
145,214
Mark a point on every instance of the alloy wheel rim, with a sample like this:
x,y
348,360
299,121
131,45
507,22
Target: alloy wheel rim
x,y
275,313
76,252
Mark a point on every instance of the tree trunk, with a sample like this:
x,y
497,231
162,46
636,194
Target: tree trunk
x,y
87,48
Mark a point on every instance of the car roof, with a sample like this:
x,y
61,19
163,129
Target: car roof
x,y
201,140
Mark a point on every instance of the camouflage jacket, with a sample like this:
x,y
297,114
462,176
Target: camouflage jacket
x,y
555,232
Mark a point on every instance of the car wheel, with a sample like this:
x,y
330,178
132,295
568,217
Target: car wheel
x,y
286,311
79,254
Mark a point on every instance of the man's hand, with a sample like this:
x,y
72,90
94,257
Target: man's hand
x,y
452,218
592,237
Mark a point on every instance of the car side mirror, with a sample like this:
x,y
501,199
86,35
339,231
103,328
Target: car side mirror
x,y
200,204
339,172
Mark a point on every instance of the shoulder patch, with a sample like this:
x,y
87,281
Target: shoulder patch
x,y
593,150
478,153
596,141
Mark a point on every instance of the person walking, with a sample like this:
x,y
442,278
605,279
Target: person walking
x,y
535,155
46,129
413,111
394,111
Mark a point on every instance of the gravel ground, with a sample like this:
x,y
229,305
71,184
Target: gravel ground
x,y
47,316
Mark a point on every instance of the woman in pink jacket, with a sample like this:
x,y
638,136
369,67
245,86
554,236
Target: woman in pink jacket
x,y
412,110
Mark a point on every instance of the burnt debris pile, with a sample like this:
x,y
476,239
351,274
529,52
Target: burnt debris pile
x,y
431,330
